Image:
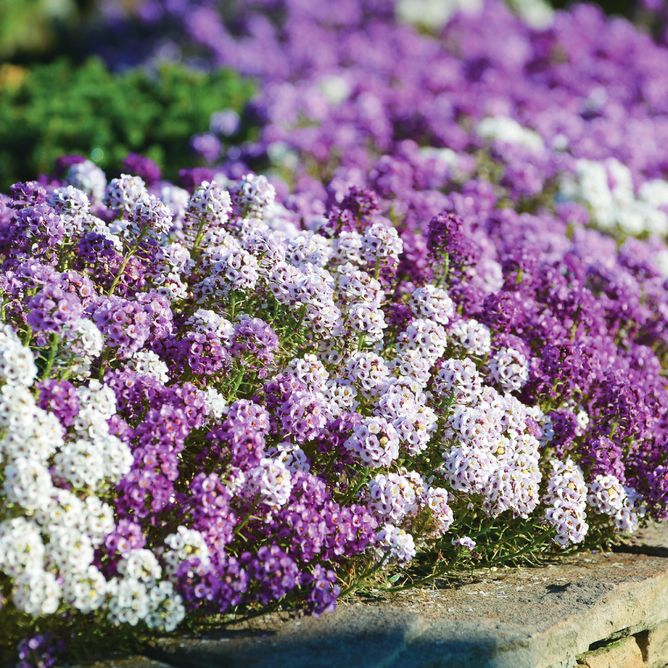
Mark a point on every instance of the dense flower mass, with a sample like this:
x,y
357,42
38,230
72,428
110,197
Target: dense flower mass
x,y
442,310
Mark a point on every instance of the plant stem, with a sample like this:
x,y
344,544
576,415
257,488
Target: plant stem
x,y
52,356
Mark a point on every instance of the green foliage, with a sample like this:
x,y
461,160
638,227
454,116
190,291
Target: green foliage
x,y
59,108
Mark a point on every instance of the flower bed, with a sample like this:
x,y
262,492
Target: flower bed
x,y
434,336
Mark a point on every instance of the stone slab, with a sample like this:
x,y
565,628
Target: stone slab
x,y
623,653
655,647
506,618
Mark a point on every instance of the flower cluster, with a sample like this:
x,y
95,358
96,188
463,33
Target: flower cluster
x,y
269,456
241,393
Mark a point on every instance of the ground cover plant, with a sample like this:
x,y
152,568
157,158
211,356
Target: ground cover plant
x,y
433,334
59,108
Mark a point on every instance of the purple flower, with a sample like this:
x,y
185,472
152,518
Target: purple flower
x,y
324,590
40,651
256,342
207,146
272,573
211,511
203,353
53,307
125,324
61,398
446,236
143,167
241,437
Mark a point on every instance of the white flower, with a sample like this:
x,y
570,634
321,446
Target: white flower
x,y
308,248
26,430
254,195
209,203
232,269
566,501
89,178
347,248
413,420
309,370
436,499
291,455
97,519
124,193
368,372
432,303
85,590
381,242
215,403
128,601
606,189
183,545
509,368
69,549
473,336
81,463
140,565
392,497
427,337
466,542
64,509
36,593
396,543
341,397
27,483
609,497
374,442
367,321
205,320
459,381
17,363
509,131
468,468
165,607
97,397
147,363
117,457
537,14
355,285
21,547
270,481
654,192
84,341
433,14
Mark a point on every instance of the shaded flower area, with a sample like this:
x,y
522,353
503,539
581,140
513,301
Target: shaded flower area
x,y
420,324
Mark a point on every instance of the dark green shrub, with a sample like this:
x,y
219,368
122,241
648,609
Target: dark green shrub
x,y
59,108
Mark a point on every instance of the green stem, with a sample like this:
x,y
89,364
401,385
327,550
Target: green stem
x,y
352,494
124,264
446,270
357,582
236,383
232,309
28,337
198,240
52,356
119,275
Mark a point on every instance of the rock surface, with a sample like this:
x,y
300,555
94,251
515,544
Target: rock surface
x,y
558,616
623,653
